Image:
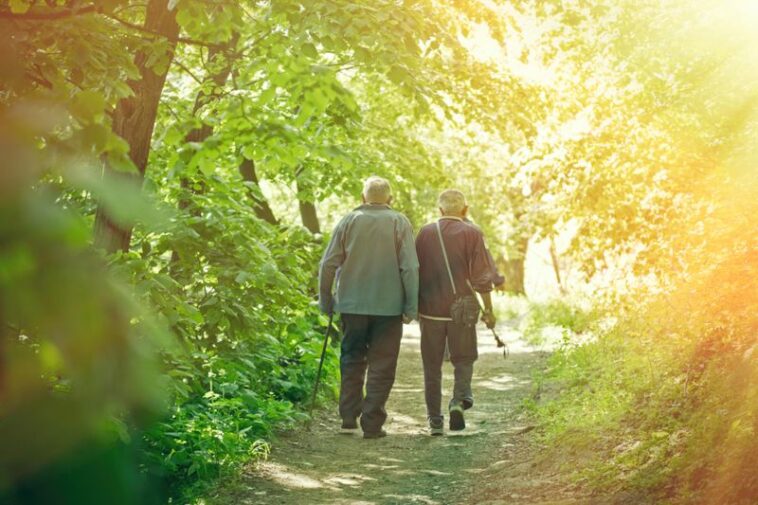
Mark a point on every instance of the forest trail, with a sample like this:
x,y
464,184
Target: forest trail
x,y
491,462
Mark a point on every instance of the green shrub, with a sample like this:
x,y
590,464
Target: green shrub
x,y
248,335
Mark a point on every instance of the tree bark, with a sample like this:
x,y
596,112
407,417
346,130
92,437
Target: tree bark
x,y
308,214
260,204
514,266
309,217
134,120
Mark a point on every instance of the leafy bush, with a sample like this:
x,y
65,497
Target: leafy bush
x,y
249,333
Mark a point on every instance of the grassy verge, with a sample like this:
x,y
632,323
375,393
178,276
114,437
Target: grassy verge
x,y
663,403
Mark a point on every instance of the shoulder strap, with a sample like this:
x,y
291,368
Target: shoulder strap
x,y
447,263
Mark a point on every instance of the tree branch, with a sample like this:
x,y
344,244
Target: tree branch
x,y
188,71
142,29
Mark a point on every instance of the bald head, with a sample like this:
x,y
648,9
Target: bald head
x,y
452,203
377,190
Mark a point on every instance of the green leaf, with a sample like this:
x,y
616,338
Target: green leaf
x,y
121,162
122,89
88,106
309,50
398,74
97,136
306,109
266,96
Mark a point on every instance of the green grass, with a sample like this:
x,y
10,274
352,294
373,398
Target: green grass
x,y
642,407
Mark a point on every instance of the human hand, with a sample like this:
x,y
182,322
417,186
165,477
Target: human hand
x,y
407,320
327,305
488,318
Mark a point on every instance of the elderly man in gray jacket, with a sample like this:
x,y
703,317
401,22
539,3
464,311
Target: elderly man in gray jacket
x,y
373,258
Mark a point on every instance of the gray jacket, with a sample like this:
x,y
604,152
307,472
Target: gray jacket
x,y
373,257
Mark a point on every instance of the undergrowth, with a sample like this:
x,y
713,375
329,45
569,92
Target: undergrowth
x,y
248,334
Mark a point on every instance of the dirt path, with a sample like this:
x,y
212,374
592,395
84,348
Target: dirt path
x,y
490,462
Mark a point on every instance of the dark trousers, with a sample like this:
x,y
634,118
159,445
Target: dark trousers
x,y
373,343
461,342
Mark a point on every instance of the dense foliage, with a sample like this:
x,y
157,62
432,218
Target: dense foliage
x,y
657,396
168,168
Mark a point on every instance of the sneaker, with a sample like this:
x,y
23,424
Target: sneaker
x,y
349,427
436,427
374,434
457,423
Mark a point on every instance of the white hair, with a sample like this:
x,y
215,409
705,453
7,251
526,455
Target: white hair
x,y
452,201
377,190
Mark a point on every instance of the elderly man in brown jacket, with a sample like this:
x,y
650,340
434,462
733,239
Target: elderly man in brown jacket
x,y
453,262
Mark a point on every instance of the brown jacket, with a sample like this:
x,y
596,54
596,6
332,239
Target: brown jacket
x,y
468,262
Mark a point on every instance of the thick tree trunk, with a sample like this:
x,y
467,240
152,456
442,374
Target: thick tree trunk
x,y
260,204
514,266
134,120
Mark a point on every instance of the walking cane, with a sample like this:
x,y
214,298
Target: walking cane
x,y
500,343
320,365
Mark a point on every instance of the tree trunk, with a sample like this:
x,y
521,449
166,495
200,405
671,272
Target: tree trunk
x,y
260,204
134,120
556,266
514,266
309,217
308,214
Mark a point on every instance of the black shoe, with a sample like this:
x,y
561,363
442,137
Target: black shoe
x,y
457,423
374,434
436,427
349,427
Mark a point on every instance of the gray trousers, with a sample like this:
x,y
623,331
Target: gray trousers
x,y
461,342
369,343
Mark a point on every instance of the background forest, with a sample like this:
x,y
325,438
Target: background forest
x,y
169,168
